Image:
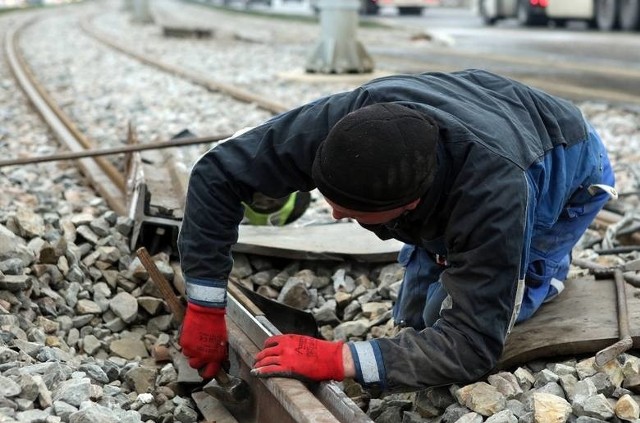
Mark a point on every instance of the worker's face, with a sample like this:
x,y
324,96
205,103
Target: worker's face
x,y
370,218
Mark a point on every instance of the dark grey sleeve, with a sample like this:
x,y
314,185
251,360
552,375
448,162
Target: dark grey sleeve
x,y
275,159
485,239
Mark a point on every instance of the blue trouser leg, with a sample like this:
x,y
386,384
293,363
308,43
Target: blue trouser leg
x,y
421,293
550,251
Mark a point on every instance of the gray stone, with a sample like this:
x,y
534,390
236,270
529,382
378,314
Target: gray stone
x,y
516,407
28,224
506,383
87,307
524,377
9,388
33,416
87,234
14,283
63,409
151,305
241,266
440,397
141,379
12,266
149,412
603,384
94,414
544,377
343,282
552,388
391,414
91,344
100,226
129,348
7,355
29,387
73,391
295,294
125,306
185,414
595,406
472,417
124,225
95,372
353,329
481,398
504,416
454,412
411,417
350,311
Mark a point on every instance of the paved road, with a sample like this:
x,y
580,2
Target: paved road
x,y
575,61
582,63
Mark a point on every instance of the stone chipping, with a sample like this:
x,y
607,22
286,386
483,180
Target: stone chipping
x,y
80,321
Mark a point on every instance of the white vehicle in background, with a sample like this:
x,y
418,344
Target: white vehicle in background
x,y
405,7
605,15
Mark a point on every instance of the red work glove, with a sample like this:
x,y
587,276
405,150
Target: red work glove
x,y
204,339
300,357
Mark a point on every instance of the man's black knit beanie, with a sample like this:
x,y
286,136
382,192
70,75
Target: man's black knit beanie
x,y
377,158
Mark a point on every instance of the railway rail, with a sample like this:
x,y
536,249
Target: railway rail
x,y
277,399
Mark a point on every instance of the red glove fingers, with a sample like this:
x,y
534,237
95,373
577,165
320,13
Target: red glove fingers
x,y
300,357
204,339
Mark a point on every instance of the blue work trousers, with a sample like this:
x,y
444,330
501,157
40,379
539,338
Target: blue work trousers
x,y
421,294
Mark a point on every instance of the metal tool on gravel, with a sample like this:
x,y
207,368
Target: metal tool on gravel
x,y
230,390
625,341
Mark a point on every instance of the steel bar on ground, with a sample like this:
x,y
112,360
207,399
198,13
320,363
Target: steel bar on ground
x,y
181,142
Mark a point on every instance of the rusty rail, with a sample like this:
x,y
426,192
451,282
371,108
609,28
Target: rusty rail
x,y
105,178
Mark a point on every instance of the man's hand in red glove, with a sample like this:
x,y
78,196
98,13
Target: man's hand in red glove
x,y
300,357
204,339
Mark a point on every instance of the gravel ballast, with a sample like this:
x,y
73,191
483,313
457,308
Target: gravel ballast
x,y
79,318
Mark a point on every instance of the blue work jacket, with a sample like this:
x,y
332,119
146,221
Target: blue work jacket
x,y
492,188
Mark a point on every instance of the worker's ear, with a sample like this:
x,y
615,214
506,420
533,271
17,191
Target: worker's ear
x,y
412,205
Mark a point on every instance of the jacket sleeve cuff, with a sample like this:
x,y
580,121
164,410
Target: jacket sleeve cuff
x,y
207,292
367,358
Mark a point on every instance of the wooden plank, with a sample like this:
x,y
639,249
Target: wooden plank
x,y
582,320
334,241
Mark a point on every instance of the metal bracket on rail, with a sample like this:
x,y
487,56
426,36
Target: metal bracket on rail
x,y
155,193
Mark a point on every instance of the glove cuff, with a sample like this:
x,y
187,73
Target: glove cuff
x,y
338,361
206,310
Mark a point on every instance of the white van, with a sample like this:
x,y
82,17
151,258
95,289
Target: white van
x,y
405,7
605,15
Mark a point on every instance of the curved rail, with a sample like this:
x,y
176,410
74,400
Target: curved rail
x,y
105,178
194,77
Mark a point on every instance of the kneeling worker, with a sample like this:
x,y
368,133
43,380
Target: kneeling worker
x,y
488,182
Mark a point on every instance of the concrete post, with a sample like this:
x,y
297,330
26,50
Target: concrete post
x,y
142,12
338,50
